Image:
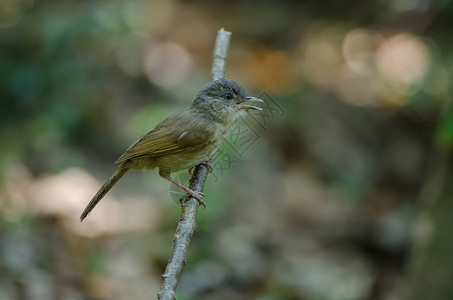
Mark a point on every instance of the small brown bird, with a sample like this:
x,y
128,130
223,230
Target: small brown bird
x,y
186,138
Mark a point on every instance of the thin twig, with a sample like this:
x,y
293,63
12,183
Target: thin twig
x,y
189,206
220,53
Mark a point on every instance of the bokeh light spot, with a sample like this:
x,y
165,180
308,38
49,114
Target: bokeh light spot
x,y
167,64
359,47
403,59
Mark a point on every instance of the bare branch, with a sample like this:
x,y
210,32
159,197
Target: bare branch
x,y
189,206
220,54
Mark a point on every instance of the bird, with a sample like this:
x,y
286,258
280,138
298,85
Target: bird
x,y
186,138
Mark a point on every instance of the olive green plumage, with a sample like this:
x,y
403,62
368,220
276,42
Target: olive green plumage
x,y
186,138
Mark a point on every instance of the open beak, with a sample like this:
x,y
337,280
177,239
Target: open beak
x,y
249,99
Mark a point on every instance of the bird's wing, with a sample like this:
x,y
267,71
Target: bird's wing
x,y
169,137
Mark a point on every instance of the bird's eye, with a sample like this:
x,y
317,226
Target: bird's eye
x,y
228,96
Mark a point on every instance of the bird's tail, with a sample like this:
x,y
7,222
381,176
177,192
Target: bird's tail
x,y
122,169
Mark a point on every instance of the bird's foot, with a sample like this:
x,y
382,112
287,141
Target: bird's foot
x,y
207,163
197,195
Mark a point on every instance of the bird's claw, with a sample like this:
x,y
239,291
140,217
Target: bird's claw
x,y
197,195
207,163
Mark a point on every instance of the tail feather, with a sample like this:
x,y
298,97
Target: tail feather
x,y
122,169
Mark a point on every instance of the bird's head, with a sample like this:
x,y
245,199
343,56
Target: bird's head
x,y
225,98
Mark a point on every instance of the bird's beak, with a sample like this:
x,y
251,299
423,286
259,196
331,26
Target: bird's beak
x,y
249,99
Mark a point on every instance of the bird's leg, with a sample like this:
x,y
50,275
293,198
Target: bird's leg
x,y
207,163
197,195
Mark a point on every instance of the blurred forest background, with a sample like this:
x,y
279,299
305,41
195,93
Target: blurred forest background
x,y
342,189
